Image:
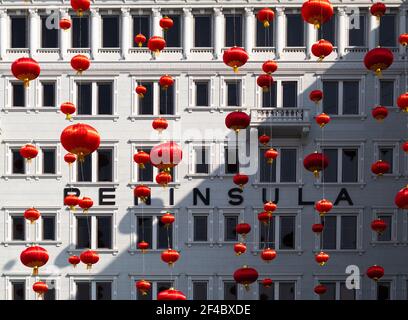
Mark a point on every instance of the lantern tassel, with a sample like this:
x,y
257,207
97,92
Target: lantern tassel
x,y
26,83
320,59
235,68
141,96
141,166
378,72
140,44
316,174
266,24
68,117
88,266
35,271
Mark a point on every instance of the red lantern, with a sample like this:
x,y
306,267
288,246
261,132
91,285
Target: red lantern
x,y
89,257
322,49
240,248
270,207
379,113
378,59
265,81
269,66
142,192
264,217
267,282
240,180
28,152
74,260
315,162
167,219
322,258
317,12
80,6
401,199
378,10
25,69
141,158
235,57
163,178
143,245
71,201
141,91
70,158
140,39
143,286
322,119
68,108
170,256
402,102
237,120
264,139
265,16
166,81
160,124
405,146
166,155
156,44
245,276
378,226
171,294
166,23
85,204
403,39
32,214
243,229
320,289
375,272
380,167
268,254
65,23
40,288
80,63
80,139
34,257
317,228
323,206
270,155
316,96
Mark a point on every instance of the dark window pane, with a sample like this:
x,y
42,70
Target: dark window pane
x,y
83,232
357,35
294,30
287,233
141,24
328,31
229,229
104,225
84,169
144,230
387,154
348,232
233,30
19,32
266,293
350,165
267,170
200,228
331,97
289,93
48,232
173,35
233,94
18,228
105,98
386,234
386,93
146,174
84,101
103,291
267,235
288,165
161,286
18,290
230,291
49,161
49,36
269,97
202,94
18,162
199,290
83,291
330,294
164,236
50,294
202,32
80,32
19,95
329,233
146,104
264,36
167,100
330,173
350,97
110,36
105,165
286,291
383,290
48,94
388,33
148,296
201,160
231,160
346,294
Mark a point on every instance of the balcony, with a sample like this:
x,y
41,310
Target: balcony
x,y
285,122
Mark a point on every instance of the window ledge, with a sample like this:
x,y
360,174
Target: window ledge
x,y
148,251
387,175
382,243
153,116
202,108
299,252
238,108
343,251
96,117
154,184
191,176
29,177
29,243
200,244
348,116
93,184
257,185
113,252
30,110
318,185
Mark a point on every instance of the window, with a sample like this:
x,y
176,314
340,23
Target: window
x,y
337,290
95,290
83,291
19,32
155,289
202,94
233,93
83,232
286,291
145,230
18,162
267,234
18,228
110,28
348,236
269,97
386,235
231,160
347,171
357,31
141,24
350,165
94,227
387,154
48,94
341,228
161,286
200,290
48,228
105,98
264,36
383,290
284,167
167,101
230,233
233,30
330,294
341,97
50,294
201,160
388,31
146,104
328,31
266,293
200,228
346,294
84,170
164,236
146,174
202,31
173,35
105,165
294,31
49,36
153,231
387,93
230,291
330,233
287,232
104,225
18,290
84,102
49,161
80,32
289,94
103,291
19,95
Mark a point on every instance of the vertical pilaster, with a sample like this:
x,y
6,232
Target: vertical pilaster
x,y
249,29
157,30
341,38
125,37
64,36
33,21
372,30
402,14
95,34
3,34
280,31
218,33
187,32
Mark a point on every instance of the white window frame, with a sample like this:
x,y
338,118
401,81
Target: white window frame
x,y
203,13
392,279
200,278
279,93
211,147
394,12
280,278
153,279
74,278
110,13
395,145
396,89
223,95
238,211
221,287
337,279
192,90
237,12
385,211
18,14
285,35
38,93
201,211
8,96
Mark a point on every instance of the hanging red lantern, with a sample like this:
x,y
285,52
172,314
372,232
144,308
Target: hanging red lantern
x,y
316,96
322,258
240,180
71,201
170,256
315,162
160,124
240,248
403,39
140,39
270,207
80,6
268,254
317,228
378,10
143,286
323,206
80,139
171,294
167,219
378,225
320,289
269,66
141,158
28,152
378,59
142,192
267,282
26,70
166,23
237,120
322,119
34,257
402,102
32,214
89,257
243,229
235,57
375,272
74,260
264,217
265,16
40,288
85,204
264,139
68,109
321,49
245,276
401,199
70,158
270,155
141,91
166,155
380,167
156,44
143,246
80,63
166,81
65,23
379,113
317,12
163,178
264,81
405,146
